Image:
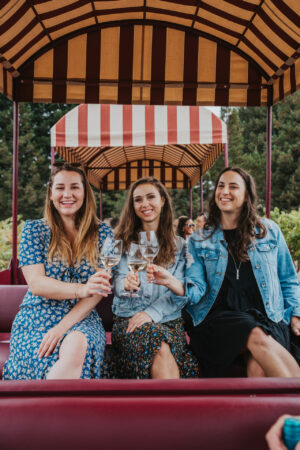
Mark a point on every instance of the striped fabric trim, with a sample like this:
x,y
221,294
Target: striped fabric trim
x,y
158,46
126,125
118,144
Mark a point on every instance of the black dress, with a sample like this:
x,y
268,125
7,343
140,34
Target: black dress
x,y
238,308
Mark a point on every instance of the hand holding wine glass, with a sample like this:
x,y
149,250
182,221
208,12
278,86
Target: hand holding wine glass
x,y
149,246
136,263
111,253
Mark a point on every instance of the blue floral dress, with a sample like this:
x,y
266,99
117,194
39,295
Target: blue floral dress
x,y
38,314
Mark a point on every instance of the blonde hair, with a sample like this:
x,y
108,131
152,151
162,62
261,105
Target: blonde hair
x,y
86,223
130,224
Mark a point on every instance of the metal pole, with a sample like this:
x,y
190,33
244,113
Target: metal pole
x,y
201,190
14,262
226,155
269,162
100,210
191,203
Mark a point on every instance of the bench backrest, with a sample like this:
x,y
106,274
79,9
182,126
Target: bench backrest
x,y
11,297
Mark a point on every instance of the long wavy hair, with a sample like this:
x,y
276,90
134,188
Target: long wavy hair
x,y
130,224
249,227
182,220
86,223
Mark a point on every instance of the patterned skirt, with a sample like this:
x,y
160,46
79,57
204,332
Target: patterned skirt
x,y
29,327
133,353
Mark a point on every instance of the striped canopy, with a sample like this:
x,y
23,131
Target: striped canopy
x,y
118,144
184,52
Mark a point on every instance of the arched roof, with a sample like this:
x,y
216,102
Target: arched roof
x,y
117,144
190,52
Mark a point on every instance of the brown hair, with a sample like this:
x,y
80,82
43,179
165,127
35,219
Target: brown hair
x,y
182,220
249,222
130,224
86,223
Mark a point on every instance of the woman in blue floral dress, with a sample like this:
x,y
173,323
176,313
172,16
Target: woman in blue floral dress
x,y
57,333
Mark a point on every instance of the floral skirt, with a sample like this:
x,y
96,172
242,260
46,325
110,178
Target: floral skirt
x,y
29,327
133,353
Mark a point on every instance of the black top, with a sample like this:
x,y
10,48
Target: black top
x,y
238,294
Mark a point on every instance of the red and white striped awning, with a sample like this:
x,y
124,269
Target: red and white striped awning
x,y
107,139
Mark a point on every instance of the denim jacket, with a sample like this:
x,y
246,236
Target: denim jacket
x,y
156,300
272,266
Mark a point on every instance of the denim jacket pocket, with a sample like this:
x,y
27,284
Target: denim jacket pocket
x,y
268,251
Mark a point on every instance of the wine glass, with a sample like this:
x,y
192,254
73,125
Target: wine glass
x,y
149,246
136,263
111,253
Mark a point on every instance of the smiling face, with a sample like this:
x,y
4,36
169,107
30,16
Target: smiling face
x,y
189,228
230,194
147,204
67,193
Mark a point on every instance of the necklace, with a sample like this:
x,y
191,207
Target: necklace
x,y
237,268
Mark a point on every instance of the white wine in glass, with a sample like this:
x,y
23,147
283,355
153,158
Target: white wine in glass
x,y
111,253
136,263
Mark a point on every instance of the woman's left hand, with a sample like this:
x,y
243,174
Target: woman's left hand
x,y
295,325
137,321
50,340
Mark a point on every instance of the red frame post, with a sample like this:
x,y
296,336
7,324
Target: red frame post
x,y
191,202
14,260
226,155
201,190
100,209
269,162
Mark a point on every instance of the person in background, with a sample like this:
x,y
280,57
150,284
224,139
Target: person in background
x,y
200,220
185,227
57,334
114,222
148,338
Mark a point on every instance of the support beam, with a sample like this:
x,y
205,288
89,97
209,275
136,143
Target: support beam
x,y
226,155
191,202
100,209
14,261
201,190
269,162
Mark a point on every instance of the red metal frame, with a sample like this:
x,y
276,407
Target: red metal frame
x,y
14,260
269,162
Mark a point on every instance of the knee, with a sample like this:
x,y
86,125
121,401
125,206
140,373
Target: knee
x,y
257,338
254,369
75,348
164,352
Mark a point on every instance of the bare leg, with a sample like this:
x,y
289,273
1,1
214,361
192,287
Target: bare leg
x,y
164,364
254,369
72,354
272,357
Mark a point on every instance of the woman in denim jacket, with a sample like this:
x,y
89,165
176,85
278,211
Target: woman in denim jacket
x,y
242,286
148,338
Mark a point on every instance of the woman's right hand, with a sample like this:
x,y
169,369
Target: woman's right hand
x,y
131,281
158,274
98,284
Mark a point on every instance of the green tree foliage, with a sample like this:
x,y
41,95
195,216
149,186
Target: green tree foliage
x,y
290,227
6,240
34,155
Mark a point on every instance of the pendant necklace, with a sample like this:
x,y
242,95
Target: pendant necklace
x,y
237,268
